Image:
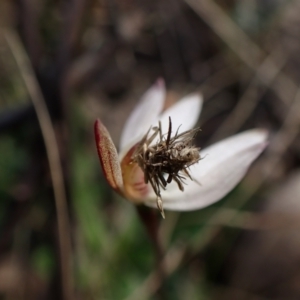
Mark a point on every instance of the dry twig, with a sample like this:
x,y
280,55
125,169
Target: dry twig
x,y
244,47
53,157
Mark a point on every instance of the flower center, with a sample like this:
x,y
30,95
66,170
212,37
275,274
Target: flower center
x,y
166,159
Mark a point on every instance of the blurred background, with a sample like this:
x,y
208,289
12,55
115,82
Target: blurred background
x,y
64,234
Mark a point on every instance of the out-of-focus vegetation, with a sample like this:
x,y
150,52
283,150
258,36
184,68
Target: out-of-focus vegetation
x,y
93,58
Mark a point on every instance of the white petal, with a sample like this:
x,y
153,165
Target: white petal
x,y
184,113
222,167
143,116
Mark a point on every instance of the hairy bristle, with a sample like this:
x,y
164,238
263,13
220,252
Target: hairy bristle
x,y
168,159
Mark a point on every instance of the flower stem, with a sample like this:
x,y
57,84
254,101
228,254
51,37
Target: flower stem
x,y
150,218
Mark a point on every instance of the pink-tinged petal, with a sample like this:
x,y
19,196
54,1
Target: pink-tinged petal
x,y
108,155
185,113
223,165
143,117
135,188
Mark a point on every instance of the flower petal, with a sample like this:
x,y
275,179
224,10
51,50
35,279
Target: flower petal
x,y
185,113
135,189
144,115
222,167
108,156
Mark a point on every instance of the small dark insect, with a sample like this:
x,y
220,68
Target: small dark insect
x,y
167,160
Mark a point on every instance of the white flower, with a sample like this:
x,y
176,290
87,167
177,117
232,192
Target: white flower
x,y
222,165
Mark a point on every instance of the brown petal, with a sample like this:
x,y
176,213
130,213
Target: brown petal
x,y
108,156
